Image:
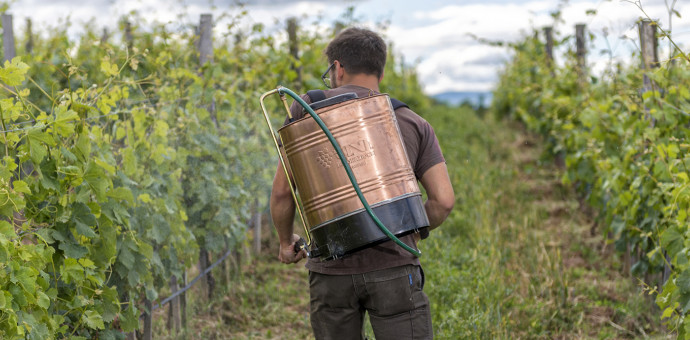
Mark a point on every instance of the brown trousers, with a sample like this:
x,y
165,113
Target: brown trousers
x,y
398,308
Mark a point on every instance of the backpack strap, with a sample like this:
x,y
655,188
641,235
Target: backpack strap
x,y
319,95
316,95
398,104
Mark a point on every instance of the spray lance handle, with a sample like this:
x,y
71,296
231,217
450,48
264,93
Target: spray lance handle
x,y
301,244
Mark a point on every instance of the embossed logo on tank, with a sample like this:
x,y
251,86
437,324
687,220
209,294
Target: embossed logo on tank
x,y
356,154
326,158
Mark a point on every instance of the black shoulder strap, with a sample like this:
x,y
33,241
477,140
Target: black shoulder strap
x,y
316,95
398,104
319,95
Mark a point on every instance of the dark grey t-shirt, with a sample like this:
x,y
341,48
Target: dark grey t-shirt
x,y
423,151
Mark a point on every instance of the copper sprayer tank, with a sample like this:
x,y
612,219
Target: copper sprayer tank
x,y
368,134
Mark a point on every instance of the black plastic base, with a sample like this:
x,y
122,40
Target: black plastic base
x,y
358,231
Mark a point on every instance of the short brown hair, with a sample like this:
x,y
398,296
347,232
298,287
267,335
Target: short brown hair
x,y
359,50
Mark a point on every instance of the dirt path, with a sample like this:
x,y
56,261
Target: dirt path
x,y
577,273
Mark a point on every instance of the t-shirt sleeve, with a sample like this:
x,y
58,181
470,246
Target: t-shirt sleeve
x,y
429,150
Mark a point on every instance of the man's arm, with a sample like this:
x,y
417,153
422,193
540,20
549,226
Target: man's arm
x,y
283,215
440,196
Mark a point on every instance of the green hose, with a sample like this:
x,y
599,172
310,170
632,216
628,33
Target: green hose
x,y
341,155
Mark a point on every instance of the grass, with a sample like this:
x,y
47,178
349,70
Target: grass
x,y
518,258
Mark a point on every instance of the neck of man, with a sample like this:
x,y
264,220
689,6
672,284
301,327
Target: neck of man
x,y
361,79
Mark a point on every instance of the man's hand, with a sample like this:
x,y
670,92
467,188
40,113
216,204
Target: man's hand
x,y
287,252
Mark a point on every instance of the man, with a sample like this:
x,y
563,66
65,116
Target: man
x,y
384,280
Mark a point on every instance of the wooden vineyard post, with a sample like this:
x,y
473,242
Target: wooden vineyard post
x,y
294,50
105,36
8,49
227,266
223,267
649,49
209,282
29,47
128,35
148,318
174,321
205,39
650,57
548,37
183,301
205,47
581,52
257,227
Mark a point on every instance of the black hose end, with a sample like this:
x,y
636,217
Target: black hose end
x,y
300,244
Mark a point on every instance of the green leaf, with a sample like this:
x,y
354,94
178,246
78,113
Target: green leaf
x,y
146,250
107,167
129,320
7,229
111,305
72,271
43,300
21,186
122,193
39,331
671,241
683,281
108,68
64,121
83,219
93,319
160,228
73,250
13,73
106,244
126,256
35,140
111,334
673,150
146,198
26,277
7,168
97,180
83,147
18,295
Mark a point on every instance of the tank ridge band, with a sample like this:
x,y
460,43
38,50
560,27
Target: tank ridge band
x,y
346,191
362,210
312,139
333,195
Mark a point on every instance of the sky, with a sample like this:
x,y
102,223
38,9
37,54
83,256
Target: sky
x,y
438,37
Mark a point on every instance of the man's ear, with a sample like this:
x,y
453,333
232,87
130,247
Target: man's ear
x,y
340,72
381,77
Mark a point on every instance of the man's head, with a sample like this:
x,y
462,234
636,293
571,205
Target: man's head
x,y
358,50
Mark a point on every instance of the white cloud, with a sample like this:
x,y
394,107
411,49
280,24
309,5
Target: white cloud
x,y
447,56
435,34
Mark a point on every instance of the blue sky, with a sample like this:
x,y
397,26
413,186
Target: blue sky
x,y
434,35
